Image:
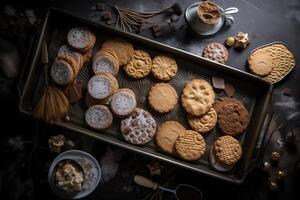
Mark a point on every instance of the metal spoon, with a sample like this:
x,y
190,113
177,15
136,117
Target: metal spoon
x,y
181,192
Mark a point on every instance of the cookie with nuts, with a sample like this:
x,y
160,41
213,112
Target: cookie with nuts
x,y
139,127
216,52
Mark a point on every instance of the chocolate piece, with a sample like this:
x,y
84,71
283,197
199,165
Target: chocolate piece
x,y
218,82
106,15
229,90
287,92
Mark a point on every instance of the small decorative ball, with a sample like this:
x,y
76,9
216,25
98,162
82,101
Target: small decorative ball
x,y
230,41
266,166
67,118
275,156
280,175
273,186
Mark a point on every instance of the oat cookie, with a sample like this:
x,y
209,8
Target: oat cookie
x,y
99,117
123,102
167,135
61,72
203,123
227,150
233,119
80,38
123,49
191,146
164,67
140,65
197,97
139,127
101,86
260,63
216,52
162,97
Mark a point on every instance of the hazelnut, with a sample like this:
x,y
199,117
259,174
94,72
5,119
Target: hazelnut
x,y
230,41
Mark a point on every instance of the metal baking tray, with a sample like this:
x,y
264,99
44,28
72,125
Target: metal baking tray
x,y
254,92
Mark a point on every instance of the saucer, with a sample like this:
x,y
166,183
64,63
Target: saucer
x,y
204,32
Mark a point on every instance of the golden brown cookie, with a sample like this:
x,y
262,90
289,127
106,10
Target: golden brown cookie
x,y
233,119
203,123
162,97
283,59
124,50
191,146
227,150
260,63
197,97
140,65
164,67
167,135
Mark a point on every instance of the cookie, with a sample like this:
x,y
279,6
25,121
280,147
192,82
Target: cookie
x,y
81,39
216,52
283,60
140,65
233,119
139,127
90,101
167,135
260,63
65,50
61,72
164,67
220,102
105,63
227,150
72,62
99,117
101,86
123,49
123,102
162,97
191,146
203,123
197,97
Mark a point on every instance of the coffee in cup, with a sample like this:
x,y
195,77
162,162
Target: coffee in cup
x,y
208,12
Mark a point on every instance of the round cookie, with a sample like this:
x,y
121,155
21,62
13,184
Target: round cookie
x,y
162,97
164,67
203,123
123,102
216,52
220,102
123,49
99,117
139,127
104,64
140,65
167,135
233,119
80,38
100,86
197,97
72,62
261,63
227,150
191,146
65,50
61,72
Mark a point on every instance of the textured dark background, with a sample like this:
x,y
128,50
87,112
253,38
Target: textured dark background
x,y
265,21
